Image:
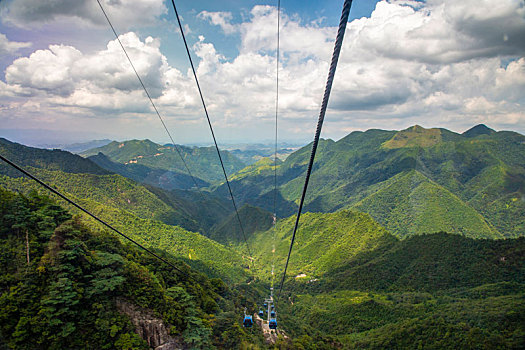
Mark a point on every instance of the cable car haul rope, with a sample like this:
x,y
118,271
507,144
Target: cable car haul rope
x,y
328,89
269,302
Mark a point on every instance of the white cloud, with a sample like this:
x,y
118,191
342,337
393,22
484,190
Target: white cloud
x,y
442,31
62,75
439,63
8,47
221,19
123,13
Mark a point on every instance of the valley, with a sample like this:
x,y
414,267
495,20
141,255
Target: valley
x,y
409,237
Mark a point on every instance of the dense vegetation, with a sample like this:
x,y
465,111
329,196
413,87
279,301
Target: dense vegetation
x,y
353,285
411,181
380,279
63,286
253,219
202,161
44,159
136,219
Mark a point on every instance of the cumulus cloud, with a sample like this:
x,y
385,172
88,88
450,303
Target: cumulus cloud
x,y
8,47
438,63
104,80
221,19
441,32
124,13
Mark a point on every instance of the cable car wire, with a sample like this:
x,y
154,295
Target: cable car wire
x,y
150,99
328,88
210,125
275,154
276,106
78,206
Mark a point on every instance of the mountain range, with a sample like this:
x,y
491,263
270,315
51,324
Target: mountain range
x,y
203,162
411,181
409,238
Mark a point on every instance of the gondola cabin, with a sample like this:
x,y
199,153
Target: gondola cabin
x,y
248,321
272,314
261,313
273,323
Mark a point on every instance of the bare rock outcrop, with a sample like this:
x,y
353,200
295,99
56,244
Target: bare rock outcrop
x,y
150,328
270,335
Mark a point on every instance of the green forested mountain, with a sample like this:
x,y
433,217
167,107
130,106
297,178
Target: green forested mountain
x,y
354,285
131,208
202,161
165,179
63,286
411,203
412,181
45,159
352,282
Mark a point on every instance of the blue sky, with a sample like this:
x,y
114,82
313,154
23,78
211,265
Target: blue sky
x,y
439,63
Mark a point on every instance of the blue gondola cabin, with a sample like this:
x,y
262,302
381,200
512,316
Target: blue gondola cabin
x,y
248,321
273,323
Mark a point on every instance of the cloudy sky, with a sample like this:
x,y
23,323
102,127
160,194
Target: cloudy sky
x,y
439,63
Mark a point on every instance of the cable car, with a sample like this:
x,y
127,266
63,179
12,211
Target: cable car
x,y
272,314
273,323
248,321
265,305
261,313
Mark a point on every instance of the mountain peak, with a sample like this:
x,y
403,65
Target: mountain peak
x,y
480,129
414,136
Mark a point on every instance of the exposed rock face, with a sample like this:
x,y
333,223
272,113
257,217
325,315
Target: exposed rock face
x,y
150,328
270,335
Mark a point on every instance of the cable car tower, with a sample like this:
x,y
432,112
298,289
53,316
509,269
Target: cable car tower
x,y
272,319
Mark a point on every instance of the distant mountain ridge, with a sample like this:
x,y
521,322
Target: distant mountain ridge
x,y
77,147
45,159
457,194
202,161
165,179
480,129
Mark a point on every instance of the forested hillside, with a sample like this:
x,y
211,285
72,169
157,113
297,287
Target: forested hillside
x,y
353,282
202,161
64,286
139,213
45,159
411,181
